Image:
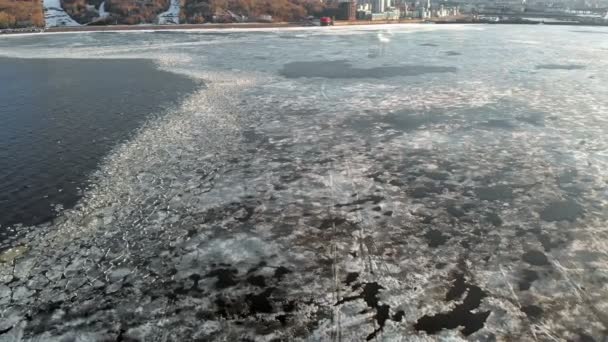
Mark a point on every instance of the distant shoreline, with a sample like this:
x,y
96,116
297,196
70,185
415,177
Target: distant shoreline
x,y
212,26
208,26
220,26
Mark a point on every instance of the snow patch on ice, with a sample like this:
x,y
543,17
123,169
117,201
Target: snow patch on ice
x,y
54,15
102,11
171,15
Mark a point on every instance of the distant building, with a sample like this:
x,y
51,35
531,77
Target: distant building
x,y
378,6
348,11
388,15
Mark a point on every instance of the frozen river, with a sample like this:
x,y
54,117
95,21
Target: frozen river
x,y
386,183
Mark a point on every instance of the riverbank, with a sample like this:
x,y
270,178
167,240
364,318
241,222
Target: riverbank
x,y
181,27
224,26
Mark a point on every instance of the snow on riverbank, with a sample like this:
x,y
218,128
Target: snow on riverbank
x,y
102,11
55,16
171,15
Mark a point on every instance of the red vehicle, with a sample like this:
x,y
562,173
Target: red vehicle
x,y
327,21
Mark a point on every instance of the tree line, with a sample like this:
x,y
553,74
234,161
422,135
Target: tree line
x,y
23,13
20,13
281,10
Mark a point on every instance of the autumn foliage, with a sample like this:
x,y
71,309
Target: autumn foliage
x,y
21,13
195,11
136,11
122,11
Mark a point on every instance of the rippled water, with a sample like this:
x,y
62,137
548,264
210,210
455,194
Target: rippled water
x,y
414,182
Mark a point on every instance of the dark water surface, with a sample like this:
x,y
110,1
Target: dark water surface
x,y
59,117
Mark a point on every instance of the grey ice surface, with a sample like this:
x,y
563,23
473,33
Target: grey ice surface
x,y
560,66
465,205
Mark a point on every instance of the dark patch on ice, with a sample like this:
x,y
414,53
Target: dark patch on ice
x,y
257,280
588,256
291,177
238,211
377,177
547,242
457,289
398,316
582,337
533,118
257,267
388,213
435,238
437,175
280,272
259,303
282,319
455,211
224,308
406,120
499,123
527,278
369,294
560,66
396,182
225,277
494,193
567,176
461,315
532,311
426,190
428,44
536,258
375,199
289,306
452,53
590,31
567,210
331,222
351,277
246,216
382,314
494,219
343,69
4,331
